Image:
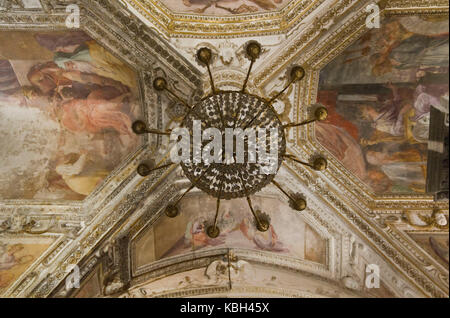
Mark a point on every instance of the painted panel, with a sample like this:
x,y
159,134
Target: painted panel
x,y
379,93
17,255
66,108
288,233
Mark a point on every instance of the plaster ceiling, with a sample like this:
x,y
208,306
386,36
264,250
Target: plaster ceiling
x,y
370,206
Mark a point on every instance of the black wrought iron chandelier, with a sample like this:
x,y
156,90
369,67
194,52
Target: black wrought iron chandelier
x,y
234,109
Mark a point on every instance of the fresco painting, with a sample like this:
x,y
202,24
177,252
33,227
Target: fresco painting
x,y
16,256
288,233
66,108
224,7
436,245
379,93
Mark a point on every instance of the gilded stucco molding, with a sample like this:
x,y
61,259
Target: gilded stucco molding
x,y
194,25
375,236
316,185
235,292
305,38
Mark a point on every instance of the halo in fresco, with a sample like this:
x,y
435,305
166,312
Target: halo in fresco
x,y
379,93
66,108
224,7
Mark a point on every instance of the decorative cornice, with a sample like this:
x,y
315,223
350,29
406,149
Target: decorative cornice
x,y
193,25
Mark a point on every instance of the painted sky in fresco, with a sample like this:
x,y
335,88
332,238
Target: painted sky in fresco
x,y
379,93
66,108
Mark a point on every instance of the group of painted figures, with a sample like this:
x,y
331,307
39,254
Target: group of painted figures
x,y
379,115
90,94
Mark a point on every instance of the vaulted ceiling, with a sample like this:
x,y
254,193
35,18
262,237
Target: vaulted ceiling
x,y
70,196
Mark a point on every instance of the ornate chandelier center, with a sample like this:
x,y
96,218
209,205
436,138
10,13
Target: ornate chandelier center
x,y
241,112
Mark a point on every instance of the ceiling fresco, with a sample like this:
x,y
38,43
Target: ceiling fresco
x,y
17,255
70,193
379,93
288,234
66,107
224,7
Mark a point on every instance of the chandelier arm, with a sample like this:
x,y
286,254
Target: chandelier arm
x,y
320,114
306,122
248,75
185,104
182,196
159,132
213,88
144,170
282,91
139,127
282,190
218,205
294,158
249,201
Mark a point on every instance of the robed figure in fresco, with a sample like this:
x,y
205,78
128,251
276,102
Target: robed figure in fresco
x,y
379,93
84,98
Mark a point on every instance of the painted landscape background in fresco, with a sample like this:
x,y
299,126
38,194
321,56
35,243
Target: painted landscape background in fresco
x,y
224,7
379,92
288,233
66,108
